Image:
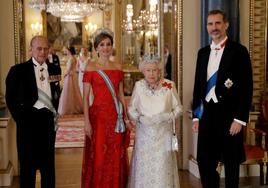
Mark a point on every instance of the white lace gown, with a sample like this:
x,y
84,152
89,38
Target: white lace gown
x,y
153,164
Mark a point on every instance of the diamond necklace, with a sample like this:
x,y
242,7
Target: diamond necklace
x,y
154,87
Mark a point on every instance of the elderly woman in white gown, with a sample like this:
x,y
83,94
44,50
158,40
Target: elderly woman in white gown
x,y
153,107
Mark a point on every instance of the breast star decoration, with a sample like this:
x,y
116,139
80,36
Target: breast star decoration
x,y
228,83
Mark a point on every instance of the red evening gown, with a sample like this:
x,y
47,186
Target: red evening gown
x,y
105,163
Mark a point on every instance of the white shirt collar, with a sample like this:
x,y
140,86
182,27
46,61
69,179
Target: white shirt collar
x,y
219,45
44,65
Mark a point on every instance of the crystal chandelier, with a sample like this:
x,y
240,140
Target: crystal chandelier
x,y
71,10
128,22
147,20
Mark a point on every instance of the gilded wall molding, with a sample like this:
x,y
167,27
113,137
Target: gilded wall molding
x,y
258,49
118,20
179,70
19,31
16,31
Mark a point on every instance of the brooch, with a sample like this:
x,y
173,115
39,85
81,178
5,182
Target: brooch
x,y
228,83
167,85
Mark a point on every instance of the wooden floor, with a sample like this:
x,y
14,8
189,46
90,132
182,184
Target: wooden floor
x,y
68,172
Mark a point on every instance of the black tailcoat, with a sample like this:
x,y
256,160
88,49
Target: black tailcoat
x,y
35,128
234,102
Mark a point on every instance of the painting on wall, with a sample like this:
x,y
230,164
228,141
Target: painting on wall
x,y
63,33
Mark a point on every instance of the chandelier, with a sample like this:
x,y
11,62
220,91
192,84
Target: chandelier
x,y
71,10
146,21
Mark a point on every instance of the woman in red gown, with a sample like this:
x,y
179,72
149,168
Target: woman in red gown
x,y
105,162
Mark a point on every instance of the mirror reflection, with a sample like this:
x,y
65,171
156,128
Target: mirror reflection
x,y
140,28
150,27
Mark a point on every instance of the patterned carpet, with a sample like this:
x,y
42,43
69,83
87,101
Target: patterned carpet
x,y
71,132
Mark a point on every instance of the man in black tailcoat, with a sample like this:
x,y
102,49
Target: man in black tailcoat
x,y
221,103
32,97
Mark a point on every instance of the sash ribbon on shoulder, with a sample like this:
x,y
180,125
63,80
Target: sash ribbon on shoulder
x,y
120,126
46,100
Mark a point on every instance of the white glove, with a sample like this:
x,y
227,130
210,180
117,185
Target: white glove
x,y
145,120
162,117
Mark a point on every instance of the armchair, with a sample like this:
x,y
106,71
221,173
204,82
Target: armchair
x,y
256,153
255,149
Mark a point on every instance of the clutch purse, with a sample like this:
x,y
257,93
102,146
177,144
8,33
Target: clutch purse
x,y
174,139
174,143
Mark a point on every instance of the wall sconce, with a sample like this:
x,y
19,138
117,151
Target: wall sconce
x,y
130,52
36,28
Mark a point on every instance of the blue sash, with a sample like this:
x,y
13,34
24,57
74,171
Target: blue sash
x,y
120,126
198,112
46,100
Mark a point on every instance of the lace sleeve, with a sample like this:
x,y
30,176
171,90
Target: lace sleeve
x,y
132,107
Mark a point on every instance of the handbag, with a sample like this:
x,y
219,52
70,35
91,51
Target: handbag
x,y
174,138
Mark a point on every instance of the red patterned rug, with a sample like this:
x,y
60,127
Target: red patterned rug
x,y
71,132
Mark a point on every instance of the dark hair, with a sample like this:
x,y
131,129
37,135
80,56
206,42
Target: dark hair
x,y
213,12
100,37
72,50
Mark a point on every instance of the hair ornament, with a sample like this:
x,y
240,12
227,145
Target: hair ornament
x,y
103,30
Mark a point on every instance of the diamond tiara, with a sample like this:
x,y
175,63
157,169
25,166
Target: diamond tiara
x,y
103,30
150,58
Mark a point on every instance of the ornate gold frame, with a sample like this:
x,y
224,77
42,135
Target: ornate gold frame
x,y
258,49
19,31
179,70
